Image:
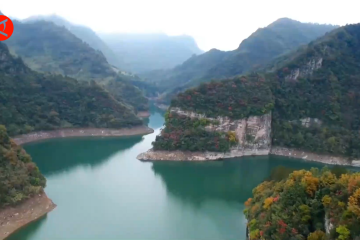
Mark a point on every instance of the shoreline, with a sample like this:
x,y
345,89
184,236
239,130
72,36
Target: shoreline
x,y
81,132
15,217
152,155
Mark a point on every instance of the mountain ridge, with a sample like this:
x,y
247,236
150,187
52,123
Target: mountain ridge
x,y
259,48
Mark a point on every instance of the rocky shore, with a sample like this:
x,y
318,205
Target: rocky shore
x,y
308,156
81,132
13,218
152,155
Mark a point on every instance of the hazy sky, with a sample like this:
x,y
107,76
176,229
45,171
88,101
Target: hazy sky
x,y
218,24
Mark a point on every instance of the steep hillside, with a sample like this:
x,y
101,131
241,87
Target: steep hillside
x,y
33,101
46,47
260,48
82,32
313,98
146,52
20,178
238,98
320,86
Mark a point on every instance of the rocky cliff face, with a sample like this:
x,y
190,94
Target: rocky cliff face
x,y
305,70
253,136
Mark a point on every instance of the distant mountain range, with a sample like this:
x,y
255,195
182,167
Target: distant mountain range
x,y
258,49
132,52
49,48
146,52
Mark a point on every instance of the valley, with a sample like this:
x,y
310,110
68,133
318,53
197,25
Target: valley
x,y
258,142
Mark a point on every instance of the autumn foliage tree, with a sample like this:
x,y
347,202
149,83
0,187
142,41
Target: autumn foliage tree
x,y
299,206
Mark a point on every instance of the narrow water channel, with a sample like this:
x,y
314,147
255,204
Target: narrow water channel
x,y
103,192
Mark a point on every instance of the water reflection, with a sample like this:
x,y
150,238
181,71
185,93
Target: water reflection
x,y
64,154
229,180
196,182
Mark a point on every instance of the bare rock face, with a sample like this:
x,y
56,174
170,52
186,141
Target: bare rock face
x,y
253,136
305,70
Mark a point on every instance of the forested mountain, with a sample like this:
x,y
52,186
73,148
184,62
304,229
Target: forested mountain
x,y
34,101
146,52
314,96
20,178
46,47
260,48
320,82
82,32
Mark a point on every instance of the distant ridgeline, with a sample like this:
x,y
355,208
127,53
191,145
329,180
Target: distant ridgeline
x,y
34,101
20,178
314,97
260,48
50,48
312,205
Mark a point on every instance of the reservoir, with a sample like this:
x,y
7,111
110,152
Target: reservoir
x,y
103,192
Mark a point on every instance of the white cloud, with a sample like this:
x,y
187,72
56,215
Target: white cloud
x,y
214,24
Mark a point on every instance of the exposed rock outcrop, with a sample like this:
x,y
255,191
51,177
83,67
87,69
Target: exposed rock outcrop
x,y
305,70
253,136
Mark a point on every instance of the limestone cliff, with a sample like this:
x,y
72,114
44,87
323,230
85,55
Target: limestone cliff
x,y
305,70
253,135
253,138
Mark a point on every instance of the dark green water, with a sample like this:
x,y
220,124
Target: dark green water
x,y
102,191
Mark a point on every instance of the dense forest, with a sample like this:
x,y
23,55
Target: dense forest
x,y
313,95
47,47
50,48
235,98
312,205
327,89
20,178
184,133
33,101
258,49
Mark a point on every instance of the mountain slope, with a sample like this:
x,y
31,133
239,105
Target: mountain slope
x,y
320,84
314,97
34,101
82,32
260,48
20,177
46,47
146,52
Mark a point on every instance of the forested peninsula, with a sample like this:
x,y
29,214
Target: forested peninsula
x,y
312,96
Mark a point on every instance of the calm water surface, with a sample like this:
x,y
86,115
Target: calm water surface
x,y
103,192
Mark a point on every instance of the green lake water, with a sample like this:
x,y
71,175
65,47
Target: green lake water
x,y
103,192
